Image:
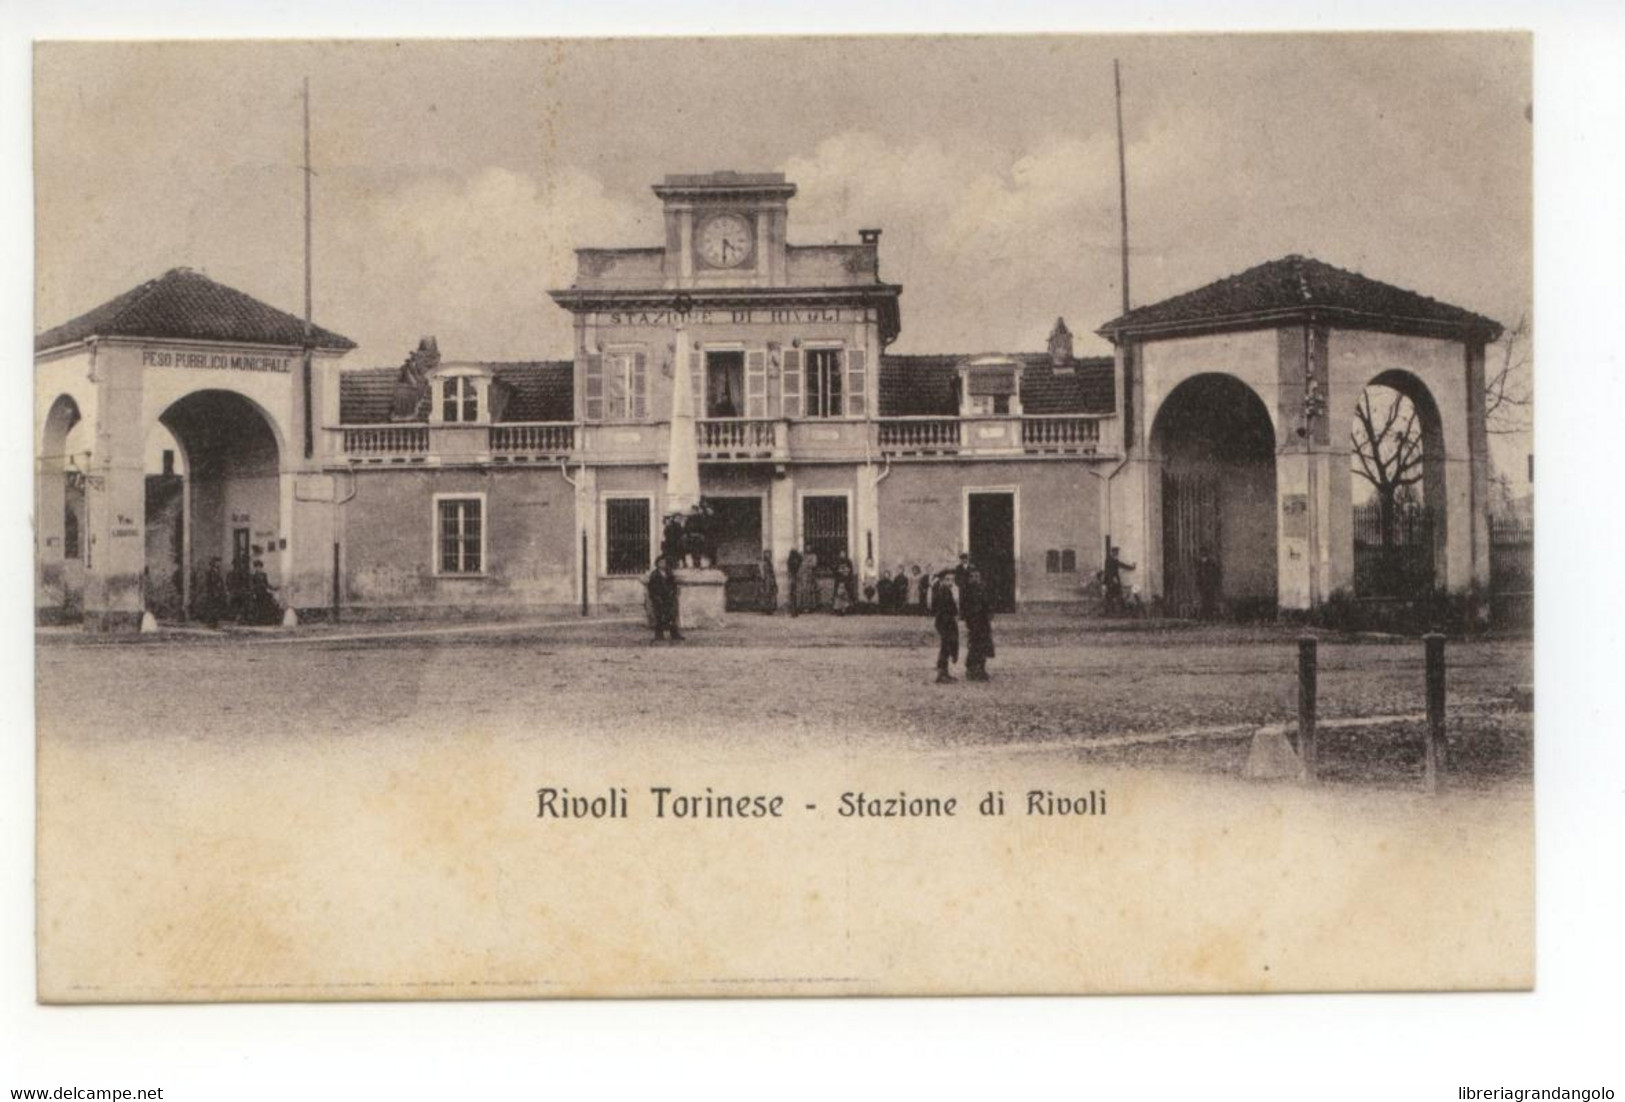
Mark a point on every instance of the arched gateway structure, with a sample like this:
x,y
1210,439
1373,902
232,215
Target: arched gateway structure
x,y
170,428
1244,390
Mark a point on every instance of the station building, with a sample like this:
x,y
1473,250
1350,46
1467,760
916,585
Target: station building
x,y
181,423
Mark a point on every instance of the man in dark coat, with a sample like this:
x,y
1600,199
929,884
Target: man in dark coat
x,y
846,576
663,600
237,591
211,604
770,584
885,592
945,609
671,538
1208,580
792,574
1112,577
978,614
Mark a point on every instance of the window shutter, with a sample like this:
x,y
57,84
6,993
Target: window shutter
x,y
595,388
696,379
640,387
856,395
792,382
615,397
756,384
831,369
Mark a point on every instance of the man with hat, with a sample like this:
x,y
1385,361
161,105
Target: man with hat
x,y
945,609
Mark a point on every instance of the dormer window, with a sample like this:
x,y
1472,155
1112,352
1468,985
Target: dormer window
x,y
990,386
459,399
461,396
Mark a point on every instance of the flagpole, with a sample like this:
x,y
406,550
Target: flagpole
x,y
305,380
1122,177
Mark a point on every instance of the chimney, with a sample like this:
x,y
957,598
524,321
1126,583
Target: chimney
x,y
871,240
1060,345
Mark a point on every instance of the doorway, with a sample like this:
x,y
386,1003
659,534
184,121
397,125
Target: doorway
x,y
736,532
1214,447
991,520
1190,526
221,498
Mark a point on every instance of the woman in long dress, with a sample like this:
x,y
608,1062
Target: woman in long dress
x,y
770,584
806,585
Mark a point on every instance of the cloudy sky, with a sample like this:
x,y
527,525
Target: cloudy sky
x,y
454,179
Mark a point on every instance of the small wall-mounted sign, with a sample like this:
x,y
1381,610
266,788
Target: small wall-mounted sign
x,y
1295,516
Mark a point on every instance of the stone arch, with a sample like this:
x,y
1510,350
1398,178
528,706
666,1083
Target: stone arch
x,y
223,502
1213,486
1415,561
60,511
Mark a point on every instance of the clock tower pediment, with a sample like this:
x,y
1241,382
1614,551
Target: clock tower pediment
x,y
726,229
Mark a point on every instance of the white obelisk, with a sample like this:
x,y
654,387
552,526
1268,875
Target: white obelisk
x,y
683,463
703,588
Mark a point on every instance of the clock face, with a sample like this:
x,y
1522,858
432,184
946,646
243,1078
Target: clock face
x,y
725,241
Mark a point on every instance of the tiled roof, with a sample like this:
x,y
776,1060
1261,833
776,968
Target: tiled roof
x,y
918,386
366,395
540,390
1294,286
923,386
543,390
185,305
1090,388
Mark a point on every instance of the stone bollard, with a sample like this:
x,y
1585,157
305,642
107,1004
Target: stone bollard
x,y
1272,756
1434,747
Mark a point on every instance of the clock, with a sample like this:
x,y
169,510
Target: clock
x,y
725,241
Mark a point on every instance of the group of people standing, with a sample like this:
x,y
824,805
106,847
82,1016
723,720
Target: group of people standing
x,y
959,593
243,595
906,591
950,595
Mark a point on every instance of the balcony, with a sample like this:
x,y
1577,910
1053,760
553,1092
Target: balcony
x,y
385,443
532,441
723,440
740,438
932,437
1060,435
919,436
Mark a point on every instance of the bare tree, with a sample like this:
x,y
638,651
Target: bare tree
x,y
1388,452
1509,389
